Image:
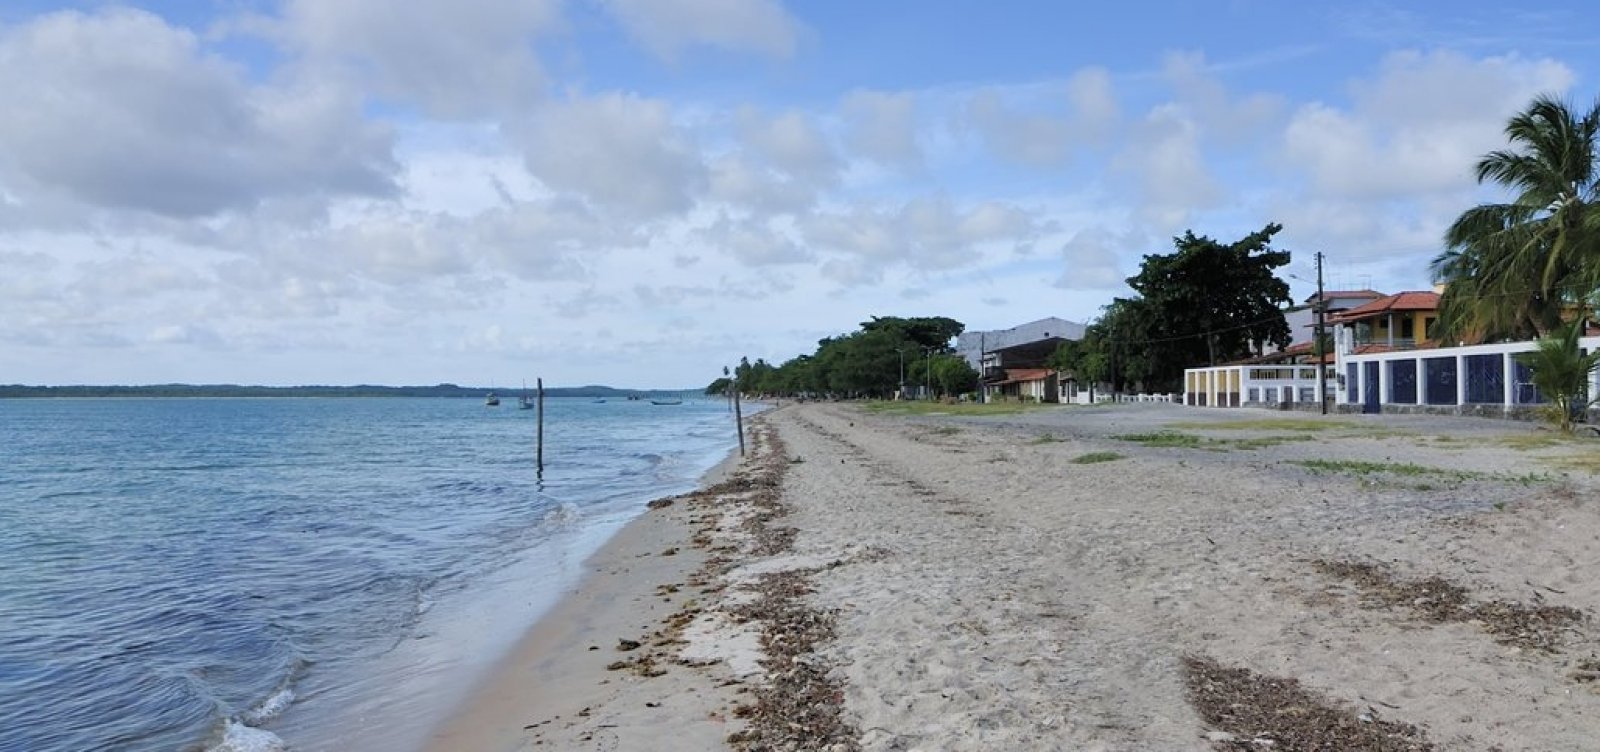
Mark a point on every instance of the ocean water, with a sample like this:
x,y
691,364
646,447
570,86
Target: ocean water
x,y
305,574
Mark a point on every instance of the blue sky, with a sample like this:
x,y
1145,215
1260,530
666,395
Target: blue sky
x,y
636,192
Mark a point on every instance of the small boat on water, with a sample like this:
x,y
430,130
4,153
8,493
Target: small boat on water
x,y
666,402
492,400
524,402
598,400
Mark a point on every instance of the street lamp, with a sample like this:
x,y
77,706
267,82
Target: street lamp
x,y
902,353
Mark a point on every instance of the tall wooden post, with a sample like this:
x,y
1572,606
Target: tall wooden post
x,y
540,452
1322,350
738,417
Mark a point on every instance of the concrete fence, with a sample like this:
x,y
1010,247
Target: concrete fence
x,y
1472,380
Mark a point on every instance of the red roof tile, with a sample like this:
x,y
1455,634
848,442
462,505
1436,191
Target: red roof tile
x,y
1415,300
1014,375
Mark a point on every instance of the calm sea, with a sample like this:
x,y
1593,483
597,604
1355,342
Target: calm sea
x,y
309,574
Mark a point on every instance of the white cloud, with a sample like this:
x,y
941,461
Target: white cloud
x,y
621,152
1090,259
547,240
451,58
1164,157
1045,125
118,110
930,233
1218,113
753,243
1418,126
791,143
735,181
184,334
668,27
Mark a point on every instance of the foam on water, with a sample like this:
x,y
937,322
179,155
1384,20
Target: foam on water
x,y
269,708
563,515
239,737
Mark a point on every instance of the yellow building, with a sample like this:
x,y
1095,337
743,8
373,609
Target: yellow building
x,y
1402,321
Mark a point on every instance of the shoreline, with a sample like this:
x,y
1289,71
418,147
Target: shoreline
x,y
556,673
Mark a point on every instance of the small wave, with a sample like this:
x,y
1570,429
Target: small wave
x,y
240,737
565,514
269,708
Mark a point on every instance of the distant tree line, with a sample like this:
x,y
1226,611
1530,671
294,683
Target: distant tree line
x,y
869,362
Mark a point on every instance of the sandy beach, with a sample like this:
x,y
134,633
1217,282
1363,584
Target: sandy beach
x,y
1133,577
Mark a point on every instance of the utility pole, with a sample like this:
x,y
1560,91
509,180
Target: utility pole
x,y
1321,347
983,354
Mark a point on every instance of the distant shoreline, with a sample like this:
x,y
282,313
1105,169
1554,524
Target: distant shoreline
x,y
18,391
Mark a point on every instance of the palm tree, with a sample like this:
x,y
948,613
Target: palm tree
x,y
1514,268
1561,373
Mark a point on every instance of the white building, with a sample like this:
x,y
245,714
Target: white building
x,y
973,345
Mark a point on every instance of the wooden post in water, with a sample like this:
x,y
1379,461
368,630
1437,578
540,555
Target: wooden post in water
x,y
540,452
738,419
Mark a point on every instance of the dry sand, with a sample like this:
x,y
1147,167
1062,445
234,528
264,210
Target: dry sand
x,y
895,583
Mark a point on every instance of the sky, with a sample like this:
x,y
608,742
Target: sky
x,y
640,192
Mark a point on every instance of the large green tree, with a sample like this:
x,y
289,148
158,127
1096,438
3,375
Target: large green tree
x,y
1514,269
1206,303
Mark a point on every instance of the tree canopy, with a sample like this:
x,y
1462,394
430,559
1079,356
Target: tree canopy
x,y
1207,302
1517,269
869,362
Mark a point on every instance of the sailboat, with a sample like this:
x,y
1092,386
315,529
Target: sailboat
x,y
524,402
492,400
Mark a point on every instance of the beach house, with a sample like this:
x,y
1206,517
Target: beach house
x,y
1402,321
1014,363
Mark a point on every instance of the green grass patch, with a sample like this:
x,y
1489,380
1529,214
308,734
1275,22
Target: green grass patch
x,y
1046,439
1413,470
1094,457
1163,439
1359,467
1262,442
1190,441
